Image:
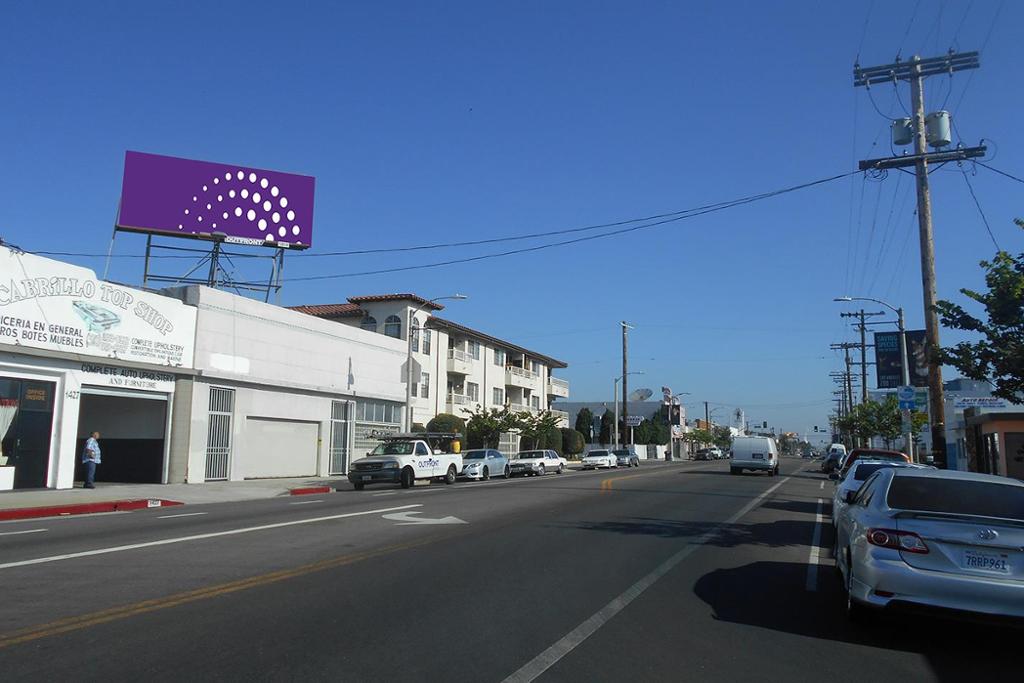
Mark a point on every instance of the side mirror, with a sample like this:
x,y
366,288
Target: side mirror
x,y
833,476
850,496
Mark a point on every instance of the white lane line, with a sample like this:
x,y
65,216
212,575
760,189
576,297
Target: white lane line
x,y
26,531
812,561
182,514
822,485
386,493
306,502
549,657
198,537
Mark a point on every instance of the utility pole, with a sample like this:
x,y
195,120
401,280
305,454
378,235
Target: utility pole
x,y
863,315
707,417
625,380
915,71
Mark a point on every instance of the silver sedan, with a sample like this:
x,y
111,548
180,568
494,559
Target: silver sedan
x,y
484,463
933,540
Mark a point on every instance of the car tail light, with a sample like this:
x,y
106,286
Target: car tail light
x,y
905,541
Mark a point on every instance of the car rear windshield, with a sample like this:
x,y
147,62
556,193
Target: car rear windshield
x,y
597,454
862,472
529,454
957,496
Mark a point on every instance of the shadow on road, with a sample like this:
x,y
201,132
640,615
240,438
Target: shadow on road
x,y
809,507
956,651
775,534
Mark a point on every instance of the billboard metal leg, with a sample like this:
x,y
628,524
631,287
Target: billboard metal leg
x,y
145,267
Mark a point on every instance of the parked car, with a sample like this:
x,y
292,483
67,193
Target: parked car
x,y
598,458
536,463
933,540
703,454
854,479
626,458
833,461
716,453
484,463
758,453
873,454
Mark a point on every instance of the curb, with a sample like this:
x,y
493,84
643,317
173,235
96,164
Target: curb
x,y
310,490
85,508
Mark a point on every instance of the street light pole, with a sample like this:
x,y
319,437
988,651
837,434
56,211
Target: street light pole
x,y
615,395
408,355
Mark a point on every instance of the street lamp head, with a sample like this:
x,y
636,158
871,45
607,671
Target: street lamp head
x,y
460,297
843,298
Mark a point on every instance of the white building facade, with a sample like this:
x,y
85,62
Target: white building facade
x,y
455,368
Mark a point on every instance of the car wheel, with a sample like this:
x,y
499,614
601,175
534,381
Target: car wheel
x,y
541,473
560,469
855,612
407,480
486,475
734,470
449,477
508,472
359,487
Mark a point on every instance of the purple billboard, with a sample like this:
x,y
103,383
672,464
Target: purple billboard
x,y
203,200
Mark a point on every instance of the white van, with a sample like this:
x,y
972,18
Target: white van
x,y
754,453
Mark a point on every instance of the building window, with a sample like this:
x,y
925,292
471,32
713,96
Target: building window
x,y
426,341
393,326
535,402
535,366
424,385
474,349
379,411
499,357
415,331
369,324
499,397
473,392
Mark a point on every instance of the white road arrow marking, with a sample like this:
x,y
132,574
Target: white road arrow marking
x,y
406,518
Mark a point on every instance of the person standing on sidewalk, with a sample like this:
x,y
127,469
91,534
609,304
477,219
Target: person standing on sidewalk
x,y
91,458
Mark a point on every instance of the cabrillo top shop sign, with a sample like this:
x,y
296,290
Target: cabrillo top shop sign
x,y
52,305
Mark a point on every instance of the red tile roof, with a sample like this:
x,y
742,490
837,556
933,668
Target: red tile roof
x,y
330,310
425,303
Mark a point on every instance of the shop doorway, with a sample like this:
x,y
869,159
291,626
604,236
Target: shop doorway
x,y
132,427
26,426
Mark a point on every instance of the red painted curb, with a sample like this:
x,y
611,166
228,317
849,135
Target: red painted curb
x,y
86,508
310,490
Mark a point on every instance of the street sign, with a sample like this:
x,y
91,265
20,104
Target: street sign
x,y
906,396
634,420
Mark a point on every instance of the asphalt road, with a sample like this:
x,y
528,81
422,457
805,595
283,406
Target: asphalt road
x,y
671,572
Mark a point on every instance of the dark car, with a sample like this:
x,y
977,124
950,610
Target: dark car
x,y
871,454
703,454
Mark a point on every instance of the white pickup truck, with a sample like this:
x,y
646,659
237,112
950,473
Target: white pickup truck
x,y
404,458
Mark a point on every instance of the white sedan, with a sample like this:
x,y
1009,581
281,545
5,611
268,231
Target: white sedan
x,y
601,458
484,463
536,463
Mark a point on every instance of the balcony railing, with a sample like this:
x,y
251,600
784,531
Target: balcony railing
x,y
459,354
558,387
522,372
522,408
458,399
563,417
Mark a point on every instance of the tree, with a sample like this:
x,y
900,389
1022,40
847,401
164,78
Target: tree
x,y
881,419
573,442
585,424
722,437
607,426
701,437
537,429
999,357
446,422
486,425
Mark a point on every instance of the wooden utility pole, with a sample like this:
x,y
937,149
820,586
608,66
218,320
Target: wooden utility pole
x,y
863,315
915,71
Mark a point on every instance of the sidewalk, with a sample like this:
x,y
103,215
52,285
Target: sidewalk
x,y
105,495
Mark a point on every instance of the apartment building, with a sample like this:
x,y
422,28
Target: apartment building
x,y
459,368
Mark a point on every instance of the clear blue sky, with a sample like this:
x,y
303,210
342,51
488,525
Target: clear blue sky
x,y
468,120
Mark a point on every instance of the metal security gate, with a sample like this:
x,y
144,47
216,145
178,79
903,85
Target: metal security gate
x,y
341,435
218,438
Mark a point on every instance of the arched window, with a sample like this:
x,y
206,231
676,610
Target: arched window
x,y
393,326
369,323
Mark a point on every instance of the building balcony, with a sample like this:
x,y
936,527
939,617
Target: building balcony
x,y
558,387
456,402
563,417
459,362
522,408
519,377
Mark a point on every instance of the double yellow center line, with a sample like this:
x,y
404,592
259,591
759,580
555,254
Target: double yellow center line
x,y
606,484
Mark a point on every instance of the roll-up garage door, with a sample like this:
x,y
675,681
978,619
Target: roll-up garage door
x,y
278,448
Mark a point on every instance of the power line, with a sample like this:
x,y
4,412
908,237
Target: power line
x,y
984,44
1002,173
910,25
713,208
980,212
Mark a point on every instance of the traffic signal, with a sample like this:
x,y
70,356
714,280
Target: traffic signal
x,y
765,425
